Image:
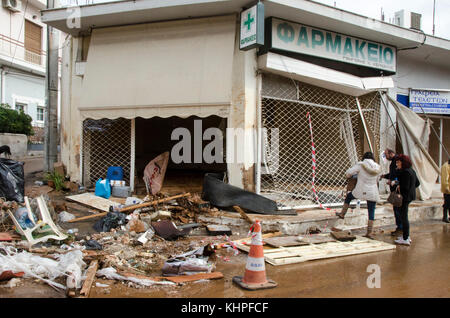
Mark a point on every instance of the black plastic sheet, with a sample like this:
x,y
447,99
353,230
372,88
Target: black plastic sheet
x,y
110,221
12,180
224,195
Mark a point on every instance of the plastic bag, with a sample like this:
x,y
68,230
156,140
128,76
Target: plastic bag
x,y
110,221
103,188
64,216
12,181
111,273
45,269
21,215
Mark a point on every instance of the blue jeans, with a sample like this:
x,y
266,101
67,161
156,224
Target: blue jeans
x,y
370,205
398,218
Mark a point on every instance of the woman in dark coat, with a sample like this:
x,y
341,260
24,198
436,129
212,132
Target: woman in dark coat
x,y
408,182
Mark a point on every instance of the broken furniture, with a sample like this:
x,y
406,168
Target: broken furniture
x,y
113,206
52,232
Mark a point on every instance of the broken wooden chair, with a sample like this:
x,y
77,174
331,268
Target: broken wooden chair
x,y
46,221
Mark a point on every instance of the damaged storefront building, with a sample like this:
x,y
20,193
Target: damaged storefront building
x,y
273,78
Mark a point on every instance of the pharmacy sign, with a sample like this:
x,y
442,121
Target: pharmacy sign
x,y
252,27
303,39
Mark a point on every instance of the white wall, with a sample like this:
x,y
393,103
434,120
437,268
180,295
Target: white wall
x,y
27,90
419,74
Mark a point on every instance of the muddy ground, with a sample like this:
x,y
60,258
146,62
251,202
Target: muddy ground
x,y
420,270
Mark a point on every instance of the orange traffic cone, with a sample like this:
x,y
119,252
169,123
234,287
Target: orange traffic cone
x,y
255,271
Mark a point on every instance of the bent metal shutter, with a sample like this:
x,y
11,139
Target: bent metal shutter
x,y
178,68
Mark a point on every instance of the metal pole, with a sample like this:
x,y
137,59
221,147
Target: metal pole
x,y
3,86
259,137
133,152
389,115
51,86
440,147
434,10
366,132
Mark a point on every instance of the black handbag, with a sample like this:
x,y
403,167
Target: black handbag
x,y
395,198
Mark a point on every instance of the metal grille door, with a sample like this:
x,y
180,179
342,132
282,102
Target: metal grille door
x,y
106,143
287,165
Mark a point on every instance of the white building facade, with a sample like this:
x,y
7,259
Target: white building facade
x,y
134,71
23,57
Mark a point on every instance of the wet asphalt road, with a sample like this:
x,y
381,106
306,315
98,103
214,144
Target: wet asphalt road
x,y
421,270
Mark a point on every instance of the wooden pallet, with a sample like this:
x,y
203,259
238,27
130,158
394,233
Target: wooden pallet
x,y
299,254
91,200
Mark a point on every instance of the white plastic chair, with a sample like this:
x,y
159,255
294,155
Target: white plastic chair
x,y
46,219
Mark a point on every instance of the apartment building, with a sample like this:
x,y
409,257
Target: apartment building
x,y
23,42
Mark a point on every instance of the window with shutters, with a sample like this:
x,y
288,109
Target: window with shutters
x,y
33,42
40,114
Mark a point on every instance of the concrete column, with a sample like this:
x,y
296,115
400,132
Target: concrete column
x,y
243,116
71,123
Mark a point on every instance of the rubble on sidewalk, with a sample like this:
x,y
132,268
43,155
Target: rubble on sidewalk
x,y
139,242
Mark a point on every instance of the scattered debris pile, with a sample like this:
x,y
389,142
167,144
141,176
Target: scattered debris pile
x,y
77,241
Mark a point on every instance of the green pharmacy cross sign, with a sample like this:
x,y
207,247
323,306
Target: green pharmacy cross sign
x,y
249,21
252,27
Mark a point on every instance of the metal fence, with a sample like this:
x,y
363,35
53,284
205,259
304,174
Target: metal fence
x,y
338,136
106,143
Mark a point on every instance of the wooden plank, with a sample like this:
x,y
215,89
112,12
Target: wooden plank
x,y
294,255
243,214
145,204
88,217
343,236
93,201
90,276
195,277
5,237
284,241
177,279
243,244
126,209
317,238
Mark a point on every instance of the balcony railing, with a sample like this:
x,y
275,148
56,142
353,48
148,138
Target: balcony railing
x,y
17,50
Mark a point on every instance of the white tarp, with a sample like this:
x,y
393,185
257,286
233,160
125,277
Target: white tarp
x,y
321,76
177,68
414,130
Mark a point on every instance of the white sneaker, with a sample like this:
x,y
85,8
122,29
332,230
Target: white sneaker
x,y
401,238
401,241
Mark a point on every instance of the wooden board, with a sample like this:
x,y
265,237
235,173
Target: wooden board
x,y
317,238
93,201
299,254
90,276
343,236
194,277
177,279
284,241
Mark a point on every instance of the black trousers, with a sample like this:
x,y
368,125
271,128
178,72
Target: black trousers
x,y
446,201
405,221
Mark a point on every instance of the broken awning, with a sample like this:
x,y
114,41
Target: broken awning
x,y
322,76
178,68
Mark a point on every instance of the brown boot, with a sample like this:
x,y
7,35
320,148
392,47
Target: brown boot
x,y
343,211
369,229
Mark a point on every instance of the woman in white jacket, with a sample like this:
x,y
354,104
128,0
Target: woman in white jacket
x,y
368,172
